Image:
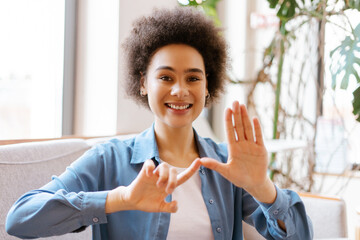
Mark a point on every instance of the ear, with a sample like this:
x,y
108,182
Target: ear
x,y
207,83
143,89
206,88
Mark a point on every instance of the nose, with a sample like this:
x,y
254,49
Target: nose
x,y
180,89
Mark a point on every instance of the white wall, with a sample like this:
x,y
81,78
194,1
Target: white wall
x,y
97,64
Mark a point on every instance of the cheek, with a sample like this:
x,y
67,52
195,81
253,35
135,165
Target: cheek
x,y
155,94
155,91
203,91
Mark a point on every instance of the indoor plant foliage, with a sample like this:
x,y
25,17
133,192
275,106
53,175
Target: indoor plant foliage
x,y
207,6
295,16
345,64
289,62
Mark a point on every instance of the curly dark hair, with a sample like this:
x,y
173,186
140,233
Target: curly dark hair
x,y
184,25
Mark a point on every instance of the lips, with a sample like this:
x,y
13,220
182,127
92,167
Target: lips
x,y
178,106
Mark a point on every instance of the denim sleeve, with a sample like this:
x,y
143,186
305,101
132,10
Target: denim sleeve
x,y
67,203
287,207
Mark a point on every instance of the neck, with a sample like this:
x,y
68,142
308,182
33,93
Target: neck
x,y
176,145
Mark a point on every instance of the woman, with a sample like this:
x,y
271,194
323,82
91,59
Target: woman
x,y
168,182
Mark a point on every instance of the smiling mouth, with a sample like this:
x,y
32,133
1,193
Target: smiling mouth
x,y
178,107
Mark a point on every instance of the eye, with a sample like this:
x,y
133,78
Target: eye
x,y
193,79
165,78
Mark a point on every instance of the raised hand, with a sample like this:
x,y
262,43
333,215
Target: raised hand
x,y
247,156
149,189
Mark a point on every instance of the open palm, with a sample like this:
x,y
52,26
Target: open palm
x,y
247,156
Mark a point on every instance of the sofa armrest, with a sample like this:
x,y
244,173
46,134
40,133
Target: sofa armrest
x,y
328,216
28,166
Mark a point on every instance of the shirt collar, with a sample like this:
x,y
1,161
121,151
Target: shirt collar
x,y
145,147
205,149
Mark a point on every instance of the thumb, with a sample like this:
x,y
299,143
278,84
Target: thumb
x,y
170,207
148,168
185,175
214,165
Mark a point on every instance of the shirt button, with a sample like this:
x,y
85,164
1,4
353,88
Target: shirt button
x,y
211,201
276,212
202,171
218,229
95,220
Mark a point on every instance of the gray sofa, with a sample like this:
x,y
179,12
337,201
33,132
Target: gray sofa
x,y
27,166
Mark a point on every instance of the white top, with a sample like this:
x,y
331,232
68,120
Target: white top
x,y
191,221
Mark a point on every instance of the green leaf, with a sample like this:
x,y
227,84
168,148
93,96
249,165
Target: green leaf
x,y
211,3
354,4
283,30
287,9
209,7
189,3
345,58
211,12
356,104
273,3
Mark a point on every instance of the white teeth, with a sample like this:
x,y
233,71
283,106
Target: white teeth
x,y
179,107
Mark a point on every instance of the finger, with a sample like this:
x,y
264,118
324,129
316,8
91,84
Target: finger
x,y
162,171
172,181
237,121
258,132
249,135
170,207
230,133
214,165
148,167
187,173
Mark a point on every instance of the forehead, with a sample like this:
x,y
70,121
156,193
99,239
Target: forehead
x,y
177,56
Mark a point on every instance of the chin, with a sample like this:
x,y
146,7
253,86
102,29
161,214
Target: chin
x,y
178,124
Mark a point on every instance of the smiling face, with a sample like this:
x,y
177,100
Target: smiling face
x,y
176,85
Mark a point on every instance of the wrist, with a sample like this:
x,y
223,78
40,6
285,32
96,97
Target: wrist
x,y
116,200
265,193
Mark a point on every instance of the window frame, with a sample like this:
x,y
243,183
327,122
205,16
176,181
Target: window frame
x,y
70,37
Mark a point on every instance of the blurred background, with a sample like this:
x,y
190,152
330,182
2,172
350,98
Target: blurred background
x,y
295,64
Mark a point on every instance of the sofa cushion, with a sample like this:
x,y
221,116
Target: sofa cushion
x,y
28,166
327,214
40,151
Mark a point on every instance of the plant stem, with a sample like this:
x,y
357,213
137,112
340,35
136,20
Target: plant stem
x,y
277,101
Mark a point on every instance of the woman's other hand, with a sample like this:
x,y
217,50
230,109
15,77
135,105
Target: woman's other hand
x,y
149,189
248,159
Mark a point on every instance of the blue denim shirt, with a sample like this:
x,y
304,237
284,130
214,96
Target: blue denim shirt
x,y
77,198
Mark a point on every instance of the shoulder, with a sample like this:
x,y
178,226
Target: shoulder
x,y
104,151
118,143
114,146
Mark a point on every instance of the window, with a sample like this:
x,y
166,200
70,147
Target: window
x,y
31,68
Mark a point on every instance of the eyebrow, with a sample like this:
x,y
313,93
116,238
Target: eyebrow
x,y
186,71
